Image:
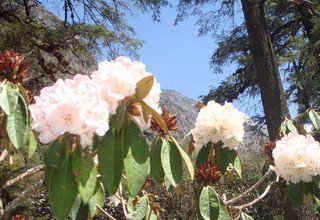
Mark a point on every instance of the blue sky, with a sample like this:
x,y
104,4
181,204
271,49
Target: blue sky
x,y
176,55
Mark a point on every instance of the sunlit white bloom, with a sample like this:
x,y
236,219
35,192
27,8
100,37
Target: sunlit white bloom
x,y
219,123
70,106
118,79
296,158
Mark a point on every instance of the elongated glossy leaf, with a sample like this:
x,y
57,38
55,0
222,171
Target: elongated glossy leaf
x,y
17,125
171,162
79,210
315,119
142,209
85,173
225,157
145,114
317,200
111,160
136,158
185,157
32,144
23,94
144,86
236,162
223,212
117,120
203,154
291,126
56,153
155,115
296,192
209,204
8,98
62,189
156,170
98,198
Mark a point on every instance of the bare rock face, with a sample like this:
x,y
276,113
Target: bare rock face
x,y
183,107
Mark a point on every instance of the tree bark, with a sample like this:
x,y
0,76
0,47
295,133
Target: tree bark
x,y
272,94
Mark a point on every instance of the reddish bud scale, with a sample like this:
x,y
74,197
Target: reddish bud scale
x,y
12,67
170,120
207,173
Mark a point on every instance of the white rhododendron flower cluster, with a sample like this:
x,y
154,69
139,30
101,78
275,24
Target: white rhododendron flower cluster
x,y
118,80
219,123
82,105
71,106
296,158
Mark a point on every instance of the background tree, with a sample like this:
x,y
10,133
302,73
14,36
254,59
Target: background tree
x,y
88,28
260,45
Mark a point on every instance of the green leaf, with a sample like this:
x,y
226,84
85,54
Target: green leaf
x,y
62,190
209,204
245,216
136,158
79,211
317,200
153,216
56,153
142,209
8,98
185,157
203,154
32,144
85,173
144,86
111,160
98,198
283,128
236,162
225,157
158,118
315,119
291,127
117,120
156,170
296,192
171,162
17,125
223,212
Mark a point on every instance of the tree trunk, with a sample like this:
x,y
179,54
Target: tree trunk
x,y
272,94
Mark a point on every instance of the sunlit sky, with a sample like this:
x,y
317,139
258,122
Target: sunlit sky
x,y
178,57
175,54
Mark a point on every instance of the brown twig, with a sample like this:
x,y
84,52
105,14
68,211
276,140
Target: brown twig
x,y
255,200
21,198
253,187
22,176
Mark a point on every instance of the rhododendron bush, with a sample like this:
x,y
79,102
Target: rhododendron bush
x,y
93,130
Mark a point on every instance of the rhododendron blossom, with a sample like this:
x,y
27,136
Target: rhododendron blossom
x,y
71,106
296,158
118,79
219,123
